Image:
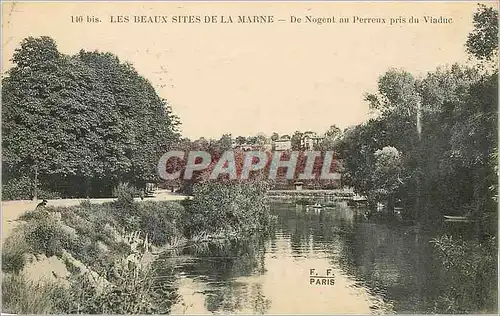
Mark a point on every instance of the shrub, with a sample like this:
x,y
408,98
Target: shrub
x,y
161,220
86,204
131,289
88,232
41,234
22,296
47,236
14,251
124,193
17,189
469,269
22,189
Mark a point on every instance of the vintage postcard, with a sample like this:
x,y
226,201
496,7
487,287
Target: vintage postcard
x,y
225,157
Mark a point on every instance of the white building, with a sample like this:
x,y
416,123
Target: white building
x,y
310,141
282,144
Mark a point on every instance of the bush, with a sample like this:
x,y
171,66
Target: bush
x,y
14,251
41,234
161,220
22,189
48,195
227,206
131,293
125,193
88,233
470,272
21,296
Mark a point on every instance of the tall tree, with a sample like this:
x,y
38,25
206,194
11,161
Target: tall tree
x,y
275,136
482,42
82,122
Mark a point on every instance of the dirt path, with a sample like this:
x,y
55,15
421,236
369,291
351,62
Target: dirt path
x,y
11,210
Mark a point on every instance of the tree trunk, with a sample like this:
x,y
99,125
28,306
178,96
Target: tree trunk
x,y
391,201
35,184
87,187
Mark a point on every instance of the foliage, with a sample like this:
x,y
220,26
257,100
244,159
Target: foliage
x,y
124,193
330,139
82,122
296,140
237,206
163,221
17,188
470,274
446,162
275,136
100,238
387,169
21,189
445,128
23,296
482,42
386,175
133,289
42,234
14,252
224,143
45,236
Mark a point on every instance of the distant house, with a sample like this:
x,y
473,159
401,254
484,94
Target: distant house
x,y
249,147
282,144
310,141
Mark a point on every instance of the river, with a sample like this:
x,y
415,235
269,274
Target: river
x,y
369,267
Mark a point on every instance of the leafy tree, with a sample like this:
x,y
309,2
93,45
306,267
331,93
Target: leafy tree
x,y
296,140
240,140
333,131
224,143
261,139
81,124
387,174
444,126
330,138
482,42
275,136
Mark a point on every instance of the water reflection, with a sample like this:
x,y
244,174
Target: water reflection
x,y
378,267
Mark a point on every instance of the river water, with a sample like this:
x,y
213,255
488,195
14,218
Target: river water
x,y
360,267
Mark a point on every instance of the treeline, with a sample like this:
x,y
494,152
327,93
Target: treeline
x,y
433,146
78,125
227,141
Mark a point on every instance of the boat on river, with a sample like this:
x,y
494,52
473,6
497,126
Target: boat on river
x,y
450,218
357,200
316,206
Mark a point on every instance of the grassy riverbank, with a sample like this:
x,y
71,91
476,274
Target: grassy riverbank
x,y
106,252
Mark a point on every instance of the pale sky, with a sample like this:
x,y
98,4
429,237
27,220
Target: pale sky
x,y
249,78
